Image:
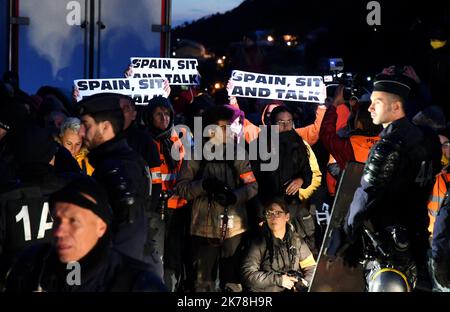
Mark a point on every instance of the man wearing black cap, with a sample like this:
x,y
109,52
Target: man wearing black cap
x,y
82,218
24,207
122,172
396,183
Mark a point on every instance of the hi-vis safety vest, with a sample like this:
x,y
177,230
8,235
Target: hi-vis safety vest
x,y
167,177
361,146
437,198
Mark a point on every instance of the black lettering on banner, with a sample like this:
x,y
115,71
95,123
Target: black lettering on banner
x,y
145,63
82,85
271,80
169,77
313,97
236,76
136,63
249,77
184,79
181,64
251,91
279,93
143,84
263,92
300,82
317,82
176,79
193,64
124,84
193,79
290,94
137,99
237,91
93,85
106,85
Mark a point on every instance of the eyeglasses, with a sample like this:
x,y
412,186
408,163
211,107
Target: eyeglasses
x,y
284,123
275,214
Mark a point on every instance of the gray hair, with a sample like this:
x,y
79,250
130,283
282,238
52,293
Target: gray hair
x,y
70,123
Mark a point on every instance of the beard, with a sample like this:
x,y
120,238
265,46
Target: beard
x,y
94,142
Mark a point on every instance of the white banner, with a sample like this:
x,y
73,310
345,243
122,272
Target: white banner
x,y
275,87
176,71
141,90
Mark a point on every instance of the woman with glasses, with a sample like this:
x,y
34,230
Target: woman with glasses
x,y
292,174
278,260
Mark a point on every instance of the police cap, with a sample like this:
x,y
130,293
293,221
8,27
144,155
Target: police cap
x,y
392,84
100,102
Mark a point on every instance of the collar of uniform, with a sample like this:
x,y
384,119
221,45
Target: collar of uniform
x,y
112,146
394,125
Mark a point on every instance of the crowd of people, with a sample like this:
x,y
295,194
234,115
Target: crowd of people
x,y
96,182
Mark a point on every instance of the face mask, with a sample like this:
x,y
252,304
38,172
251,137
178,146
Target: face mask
x,y
437,44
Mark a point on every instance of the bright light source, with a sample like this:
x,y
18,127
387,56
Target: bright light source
x,y
217,85
174,53
224,57
270,38
287,37
369,78
289,43
219,61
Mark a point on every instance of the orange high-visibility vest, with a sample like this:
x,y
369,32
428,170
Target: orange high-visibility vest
x,y
168,177
437,198
361,146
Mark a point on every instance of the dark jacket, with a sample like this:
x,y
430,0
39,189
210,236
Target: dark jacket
x,y
236,174
401,198
124,174
293,163
103,269
24,211
268,258
142,142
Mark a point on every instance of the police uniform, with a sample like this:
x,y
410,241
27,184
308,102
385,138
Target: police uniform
x,y
24,209
125,176
397,180
102,269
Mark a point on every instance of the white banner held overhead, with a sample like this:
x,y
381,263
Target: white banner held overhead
x,y
142,90
275,87
176,71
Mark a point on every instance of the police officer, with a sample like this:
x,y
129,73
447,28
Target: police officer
x,y
122,172
81,258
391,203
24,208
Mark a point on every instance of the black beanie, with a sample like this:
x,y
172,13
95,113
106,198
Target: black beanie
x,y
73,192
35,145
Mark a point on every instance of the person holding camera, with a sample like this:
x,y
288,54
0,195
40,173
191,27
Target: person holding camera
x,y
219,187
278,260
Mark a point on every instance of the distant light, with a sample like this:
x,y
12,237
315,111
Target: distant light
x,y
287,37
219,61
369,78
178,39
270,38
217,85
374,29
289,43
224,57
174,53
